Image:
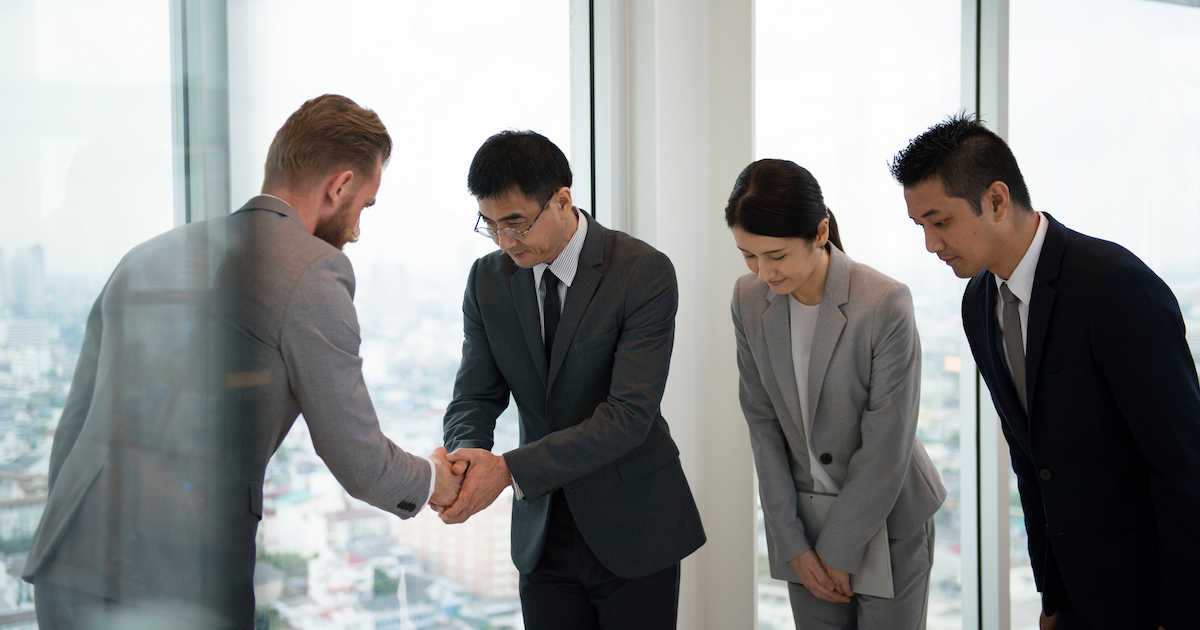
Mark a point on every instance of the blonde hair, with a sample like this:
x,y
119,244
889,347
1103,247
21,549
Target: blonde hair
x,y
327,133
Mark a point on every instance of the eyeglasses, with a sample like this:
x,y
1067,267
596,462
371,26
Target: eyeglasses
x,y
513,233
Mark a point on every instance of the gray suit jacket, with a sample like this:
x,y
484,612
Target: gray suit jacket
x,y
590,421
200,352
864,388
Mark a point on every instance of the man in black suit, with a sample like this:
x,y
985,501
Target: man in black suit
x,y
1083,349
576,322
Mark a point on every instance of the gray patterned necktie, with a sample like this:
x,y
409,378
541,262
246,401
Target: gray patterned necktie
x,y
1014,343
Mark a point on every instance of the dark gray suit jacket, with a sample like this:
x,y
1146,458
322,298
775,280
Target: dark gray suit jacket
x,y
590,421
200,352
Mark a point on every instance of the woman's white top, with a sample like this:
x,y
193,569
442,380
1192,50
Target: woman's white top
x,y
804,328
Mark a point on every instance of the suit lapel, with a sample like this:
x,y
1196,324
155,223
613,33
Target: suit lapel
x,y
777,328
525,300
830,323
1041,303
579,295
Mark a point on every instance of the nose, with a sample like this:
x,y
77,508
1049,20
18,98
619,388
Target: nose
x,y
506,242
765,273
933,244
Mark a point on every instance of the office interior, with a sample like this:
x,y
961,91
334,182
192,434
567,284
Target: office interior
x,y
122,119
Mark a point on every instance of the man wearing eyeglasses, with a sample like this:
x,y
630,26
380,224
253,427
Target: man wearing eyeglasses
x,y
576,322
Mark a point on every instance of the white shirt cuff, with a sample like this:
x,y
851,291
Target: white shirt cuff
x,y
432,484
516,489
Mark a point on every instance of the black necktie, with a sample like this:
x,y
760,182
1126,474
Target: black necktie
x,y
550,309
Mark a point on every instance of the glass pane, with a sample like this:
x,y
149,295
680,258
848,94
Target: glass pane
x,y
443,77
1105,122
839,89
85,166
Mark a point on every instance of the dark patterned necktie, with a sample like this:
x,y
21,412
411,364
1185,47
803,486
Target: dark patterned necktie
x,y
550,309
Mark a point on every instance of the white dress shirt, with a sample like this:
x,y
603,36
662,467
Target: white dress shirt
x,y
803,319
1021,285
563,267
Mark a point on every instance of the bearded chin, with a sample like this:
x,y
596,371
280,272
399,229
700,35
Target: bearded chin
x,y
338,230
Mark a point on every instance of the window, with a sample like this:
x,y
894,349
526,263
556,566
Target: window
x,y
86,168
839,89
443,78
1104,118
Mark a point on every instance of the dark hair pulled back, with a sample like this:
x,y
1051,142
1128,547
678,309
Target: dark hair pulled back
x,y
779,198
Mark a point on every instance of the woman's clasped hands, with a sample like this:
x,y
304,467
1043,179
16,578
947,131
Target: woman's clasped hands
x,y
821,579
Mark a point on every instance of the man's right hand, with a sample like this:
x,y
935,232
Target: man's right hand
x,y
449,480
1048,623
815,579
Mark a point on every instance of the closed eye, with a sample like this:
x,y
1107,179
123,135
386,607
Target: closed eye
x,y
779,258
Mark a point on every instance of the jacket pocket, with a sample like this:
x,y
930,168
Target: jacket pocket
x,y
649,460
256,499
1130,513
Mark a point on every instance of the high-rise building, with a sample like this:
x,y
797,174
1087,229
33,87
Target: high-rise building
x,y
3,285
29,282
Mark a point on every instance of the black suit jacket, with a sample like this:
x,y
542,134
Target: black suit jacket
x,y
590,421
1108,457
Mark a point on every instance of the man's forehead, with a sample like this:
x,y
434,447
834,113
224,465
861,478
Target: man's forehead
x,y
506,206
926,199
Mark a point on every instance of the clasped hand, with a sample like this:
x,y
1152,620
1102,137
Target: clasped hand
x,y
821,579
479,476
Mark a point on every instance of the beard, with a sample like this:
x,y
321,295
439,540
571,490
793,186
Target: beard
x,y
338,229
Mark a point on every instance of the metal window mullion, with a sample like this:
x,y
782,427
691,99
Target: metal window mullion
x,y
200,109
986,565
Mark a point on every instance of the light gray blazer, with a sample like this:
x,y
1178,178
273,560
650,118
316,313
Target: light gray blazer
x,y
864,388
200,352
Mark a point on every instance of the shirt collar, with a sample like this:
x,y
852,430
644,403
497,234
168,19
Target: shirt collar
x,y
1021,280
567,263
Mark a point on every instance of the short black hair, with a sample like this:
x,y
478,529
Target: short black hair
x,y
966,156
518,160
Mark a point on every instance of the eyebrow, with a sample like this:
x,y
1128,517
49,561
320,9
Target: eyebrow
x,y
929,212
773,251
508,217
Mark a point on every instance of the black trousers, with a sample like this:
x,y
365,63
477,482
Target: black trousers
x,y
569,588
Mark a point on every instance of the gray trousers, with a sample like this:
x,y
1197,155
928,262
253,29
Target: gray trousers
x,y
63,608
912,558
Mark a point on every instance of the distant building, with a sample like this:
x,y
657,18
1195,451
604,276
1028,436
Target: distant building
x,y
475,554
16,595
22,501
3,286
28,287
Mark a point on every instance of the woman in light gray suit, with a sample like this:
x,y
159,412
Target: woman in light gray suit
x,y
830,368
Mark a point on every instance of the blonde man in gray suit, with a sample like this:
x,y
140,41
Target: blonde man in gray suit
x,y
830,368
200,352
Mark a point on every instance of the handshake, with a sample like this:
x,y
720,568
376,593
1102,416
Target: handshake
x,y
468,480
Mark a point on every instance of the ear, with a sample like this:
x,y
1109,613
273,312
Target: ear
x,y
997,201
822,234
338,186
563,197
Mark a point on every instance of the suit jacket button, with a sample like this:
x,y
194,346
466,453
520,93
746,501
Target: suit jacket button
x,y
1044,474
826,459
